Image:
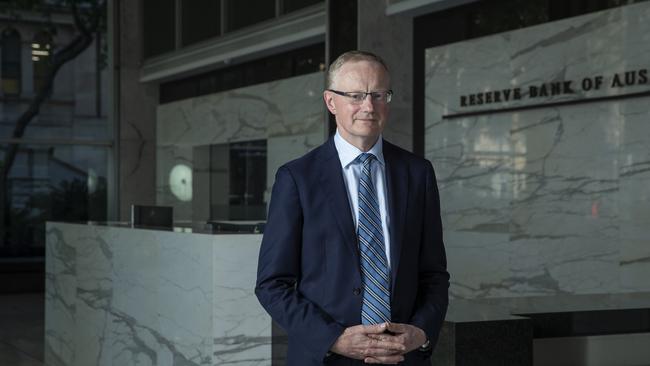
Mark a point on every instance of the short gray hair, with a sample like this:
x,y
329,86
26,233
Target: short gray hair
x,y
351,56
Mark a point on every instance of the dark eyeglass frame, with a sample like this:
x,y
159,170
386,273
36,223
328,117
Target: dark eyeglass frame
x,y
375,96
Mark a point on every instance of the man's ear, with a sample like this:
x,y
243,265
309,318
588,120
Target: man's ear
x,y
329,101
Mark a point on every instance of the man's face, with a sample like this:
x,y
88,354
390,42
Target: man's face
x,y
359,123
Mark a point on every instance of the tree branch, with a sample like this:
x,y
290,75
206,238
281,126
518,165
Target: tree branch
x,y
80,43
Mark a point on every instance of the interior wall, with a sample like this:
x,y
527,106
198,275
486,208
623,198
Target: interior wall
x,y
136,116
391,37
546,200
288,113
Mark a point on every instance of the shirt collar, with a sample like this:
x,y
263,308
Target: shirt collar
x,y
348,152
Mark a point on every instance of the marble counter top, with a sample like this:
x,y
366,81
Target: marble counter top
x,y
123,296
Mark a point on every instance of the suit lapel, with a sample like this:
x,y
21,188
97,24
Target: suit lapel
x,y
397,178
334,187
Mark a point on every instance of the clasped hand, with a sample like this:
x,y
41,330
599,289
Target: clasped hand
x,y
380,343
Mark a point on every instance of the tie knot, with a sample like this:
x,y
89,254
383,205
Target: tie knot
x,y
365,158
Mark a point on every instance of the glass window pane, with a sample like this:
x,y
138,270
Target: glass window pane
x,y
201,19
242,13
247,180
62,183
77,108
296,62
62,118
42,49
51,176
11,57
159,26
293,5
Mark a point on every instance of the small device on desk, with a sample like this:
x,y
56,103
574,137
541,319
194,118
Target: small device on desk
x,y
152,217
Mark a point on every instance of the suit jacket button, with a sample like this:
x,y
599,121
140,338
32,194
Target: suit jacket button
x,y
356,291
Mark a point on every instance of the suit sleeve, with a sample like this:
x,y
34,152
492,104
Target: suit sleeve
x,y
433,278
279,271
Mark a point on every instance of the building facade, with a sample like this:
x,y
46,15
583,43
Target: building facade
x,y
56,164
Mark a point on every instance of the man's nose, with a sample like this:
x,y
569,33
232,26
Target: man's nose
x,y
367,103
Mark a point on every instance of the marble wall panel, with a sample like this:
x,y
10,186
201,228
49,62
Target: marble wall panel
x,y
473,164
544,201
479,263
279,108
391,37
289,110
283,149
569,199
598,44
168,158
634,167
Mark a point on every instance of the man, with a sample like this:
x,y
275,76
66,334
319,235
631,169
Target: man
x,y
352,264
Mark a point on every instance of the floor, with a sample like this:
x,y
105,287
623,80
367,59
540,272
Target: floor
x,y
21,329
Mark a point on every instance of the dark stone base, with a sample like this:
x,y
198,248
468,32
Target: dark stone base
x,y
485,343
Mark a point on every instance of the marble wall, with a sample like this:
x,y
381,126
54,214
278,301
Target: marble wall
x,y
391,37
122,296
288,113
547,200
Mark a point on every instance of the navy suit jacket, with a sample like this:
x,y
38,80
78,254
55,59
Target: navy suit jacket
x,y
309,278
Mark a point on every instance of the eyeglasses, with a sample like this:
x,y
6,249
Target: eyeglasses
x,y
359,97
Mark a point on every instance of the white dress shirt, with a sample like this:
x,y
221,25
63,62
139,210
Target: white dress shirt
x,y
351,173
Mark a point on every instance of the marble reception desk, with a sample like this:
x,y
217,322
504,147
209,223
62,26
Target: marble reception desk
x,y
123,296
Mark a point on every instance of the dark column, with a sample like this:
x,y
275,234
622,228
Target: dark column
x,y
341,34
135,114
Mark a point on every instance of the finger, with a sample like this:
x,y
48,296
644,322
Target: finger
x,y
385,337
361,329
387,344
381,352
375,328
384,359
396,327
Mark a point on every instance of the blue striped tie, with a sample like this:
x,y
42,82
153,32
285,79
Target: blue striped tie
x,y
374,266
